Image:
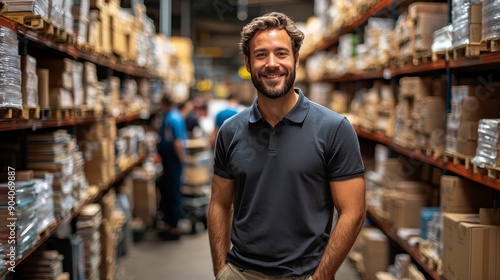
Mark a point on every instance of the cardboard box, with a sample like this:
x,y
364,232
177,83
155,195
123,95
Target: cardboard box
x,y
145,200
406,212
418,8
426,24
96,172
489,216
467,148
375,251
43,87
471,251
60,98
462,196
467,130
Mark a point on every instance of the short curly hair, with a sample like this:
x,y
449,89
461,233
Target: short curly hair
x,y
274,20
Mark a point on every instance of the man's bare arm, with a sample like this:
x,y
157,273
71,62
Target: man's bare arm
x,y
349,199
220,213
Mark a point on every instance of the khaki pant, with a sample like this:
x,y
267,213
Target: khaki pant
x,y
231,272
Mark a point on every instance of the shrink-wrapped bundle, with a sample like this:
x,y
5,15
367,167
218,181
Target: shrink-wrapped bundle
x,y
10,70
491,19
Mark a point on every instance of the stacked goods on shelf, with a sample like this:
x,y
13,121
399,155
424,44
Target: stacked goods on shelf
x,y
121,25
490,23
470,246
196,182
403,203
29,87
346,59
113,220
431,240
93,89
467,27
80,12
394,193
38,7
442,42
130,144
458,196
370,252
56,13
68,19
88,226
182,64
197,170
461,196
468,106
142,38
98,146
61,79
44,204
78,88
18,223
43,264
144,196
374,110
10,70
375,52
417,30
420,115
72,250
488,143
57,153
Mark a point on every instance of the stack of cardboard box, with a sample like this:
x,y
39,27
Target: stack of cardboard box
x,y
468,106
420,117
98,142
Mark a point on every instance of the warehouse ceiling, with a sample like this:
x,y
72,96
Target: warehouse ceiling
x,y
215,25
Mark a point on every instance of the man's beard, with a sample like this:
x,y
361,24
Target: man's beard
x,y
272,92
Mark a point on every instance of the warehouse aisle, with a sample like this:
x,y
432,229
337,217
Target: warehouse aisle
x,y
187,259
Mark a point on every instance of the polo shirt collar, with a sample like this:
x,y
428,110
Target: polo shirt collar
x,y
297,114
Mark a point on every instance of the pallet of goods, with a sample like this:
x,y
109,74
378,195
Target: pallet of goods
x,y
467,28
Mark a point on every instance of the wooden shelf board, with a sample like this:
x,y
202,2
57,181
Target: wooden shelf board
x,y
420,68
459,169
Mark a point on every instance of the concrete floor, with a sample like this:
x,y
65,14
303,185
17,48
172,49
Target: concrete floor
x,y
186,259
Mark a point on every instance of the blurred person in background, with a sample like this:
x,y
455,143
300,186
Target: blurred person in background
x,y
190,116
173,154
232,108
281,169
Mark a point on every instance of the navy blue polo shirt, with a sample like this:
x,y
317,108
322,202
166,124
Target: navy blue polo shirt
x,y
283,206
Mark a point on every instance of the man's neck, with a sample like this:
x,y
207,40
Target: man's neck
x,y
273,110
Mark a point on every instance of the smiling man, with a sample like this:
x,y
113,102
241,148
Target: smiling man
x,y
281,169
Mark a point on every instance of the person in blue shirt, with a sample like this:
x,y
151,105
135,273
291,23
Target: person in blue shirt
x,y
233,107
172,150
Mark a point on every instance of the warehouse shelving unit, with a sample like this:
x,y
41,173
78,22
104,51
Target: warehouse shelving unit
x,y
31,38
484,62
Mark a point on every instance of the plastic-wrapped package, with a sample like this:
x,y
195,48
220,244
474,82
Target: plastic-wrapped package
x,y
491,19
488,143
38,7
442,39
466,22
10,70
